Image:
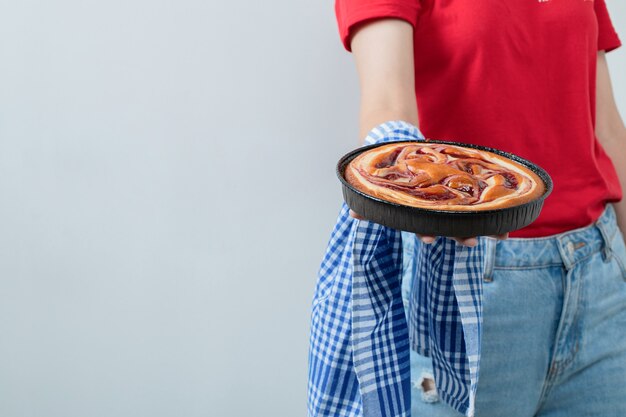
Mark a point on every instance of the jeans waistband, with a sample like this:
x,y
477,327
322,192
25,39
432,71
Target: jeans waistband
x,y
565,249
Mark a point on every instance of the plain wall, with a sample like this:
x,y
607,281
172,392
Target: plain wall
x,y
167,190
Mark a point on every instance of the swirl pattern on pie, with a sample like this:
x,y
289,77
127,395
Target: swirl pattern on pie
x,y
443,177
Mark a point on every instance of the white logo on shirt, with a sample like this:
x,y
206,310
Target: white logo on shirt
x,y
545,1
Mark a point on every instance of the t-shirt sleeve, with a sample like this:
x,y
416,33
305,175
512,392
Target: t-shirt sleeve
x,y
607,37
352,12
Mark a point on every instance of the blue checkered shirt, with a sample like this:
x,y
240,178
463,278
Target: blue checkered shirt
x,y
360,336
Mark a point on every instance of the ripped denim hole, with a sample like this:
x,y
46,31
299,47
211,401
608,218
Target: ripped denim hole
x,y
426,384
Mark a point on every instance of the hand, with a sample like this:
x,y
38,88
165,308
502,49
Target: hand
x,y
427,239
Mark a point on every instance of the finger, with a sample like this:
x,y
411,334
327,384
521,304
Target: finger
x,y
427,239
467,241
356,216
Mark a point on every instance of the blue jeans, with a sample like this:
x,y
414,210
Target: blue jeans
x,y
554,328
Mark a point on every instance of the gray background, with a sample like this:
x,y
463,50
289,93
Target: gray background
x,y
166,193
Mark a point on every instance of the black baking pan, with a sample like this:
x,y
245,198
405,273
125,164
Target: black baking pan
x,y
443,222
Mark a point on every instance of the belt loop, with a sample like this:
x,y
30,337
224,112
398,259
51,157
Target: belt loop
x,y
606,242
566,249
490,258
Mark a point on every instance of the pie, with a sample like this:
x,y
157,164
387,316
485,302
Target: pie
x,y
443,177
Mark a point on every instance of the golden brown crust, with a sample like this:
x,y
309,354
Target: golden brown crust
x,y
443,177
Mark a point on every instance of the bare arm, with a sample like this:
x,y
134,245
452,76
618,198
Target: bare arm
x,y
611,132
383,51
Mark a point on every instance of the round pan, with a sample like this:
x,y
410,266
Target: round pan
x,y
443,222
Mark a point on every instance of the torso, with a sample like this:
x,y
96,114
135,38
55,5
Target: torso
x,y
519,75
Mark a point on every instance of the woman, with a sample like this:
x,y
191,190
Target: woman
x,y
528,77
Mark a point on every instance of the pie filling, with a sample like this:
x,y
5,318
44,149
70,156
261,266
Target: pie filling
x,y
444,177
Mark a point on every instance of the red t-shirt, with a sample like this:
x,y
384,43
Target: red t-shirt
x,y
516,75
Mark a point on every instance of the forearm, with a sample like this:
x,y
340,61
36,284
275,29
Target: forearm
x,y
618,155
611,132
615,146
383,52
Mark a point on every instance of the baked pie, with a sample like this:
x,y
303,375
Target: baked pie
x,y
443,177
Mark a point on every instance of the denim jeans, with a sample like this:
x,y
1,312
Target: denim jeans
x,y
554,328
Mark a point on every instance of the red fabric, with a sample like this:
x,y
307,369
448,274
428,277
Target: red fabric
x,y
516,75
607,37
